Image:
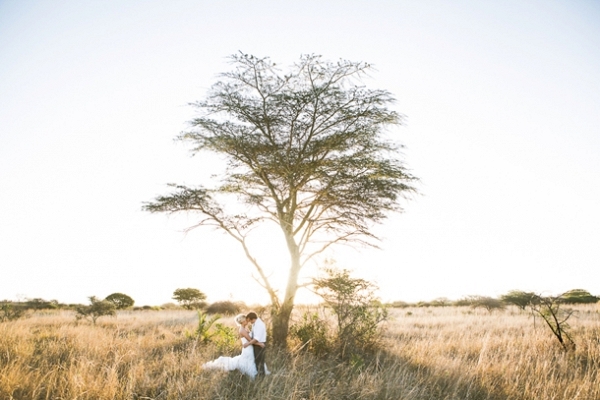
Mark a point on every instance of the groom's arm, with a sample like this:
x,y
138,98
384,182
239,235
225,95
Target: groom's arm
x,y
250,341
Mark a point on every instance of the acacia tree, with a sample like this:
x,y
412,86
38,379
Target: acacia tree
x,y
189,298
306,150
120,300
519,298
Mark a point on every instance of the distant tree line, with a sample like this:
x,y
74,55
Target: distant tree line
x,y
518,298
187,298
547,308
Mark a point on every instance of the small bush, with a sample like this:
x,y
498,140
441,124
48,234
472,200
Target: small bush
x,y
203,331
97,309
225,338
41,304
225,308
488,303
10,312
356,309
549,308
312,333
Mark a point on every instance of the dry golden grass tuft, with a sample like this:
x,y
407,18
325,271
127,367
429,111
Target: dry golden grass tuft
x,y
447,353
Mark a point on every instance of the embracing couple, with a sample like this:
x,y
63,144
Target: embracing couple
x,y
253,335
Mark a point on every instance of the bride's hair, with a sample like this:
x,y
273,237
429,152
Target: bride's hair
x,y
239,319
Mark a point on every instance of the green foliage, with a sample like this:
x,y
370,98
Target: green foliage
x,y
203,331
209,331
225,338
96,309
307,150
225,308
357,311
312,333
41,304
519,298
120,300
10,312
578,296
190,298
488,303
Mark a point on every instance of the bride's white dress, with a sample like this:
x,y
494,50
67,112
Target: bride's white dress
x,y
243,363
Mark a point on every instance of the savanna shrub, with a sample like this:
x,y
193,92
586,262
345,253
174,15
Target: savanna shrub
x,y
357,311
203,331
225,338
10,312
489,303
312,332
549,308
225,308
96,309
41,304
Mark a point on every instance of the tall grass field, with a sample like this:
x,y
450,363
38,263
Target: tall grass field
x,y
450,353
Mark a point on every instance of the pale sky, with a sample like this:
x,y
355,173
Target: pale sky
x,y
502,100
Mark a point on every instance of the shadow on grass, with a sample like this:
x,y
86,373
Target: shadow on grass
x,y
385,376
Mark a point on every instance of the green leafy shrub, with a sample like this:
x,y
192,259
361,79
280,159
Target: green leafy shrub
x,y
225,338
203,331
96,309
312,333
357,311
41,304
10,311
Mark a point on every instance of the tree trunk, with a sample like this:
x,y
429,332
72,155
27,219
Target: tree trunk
x,y
281,315
281,322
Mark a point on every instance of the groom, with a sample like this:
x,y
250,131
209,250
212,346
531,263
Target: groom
x,y
259,333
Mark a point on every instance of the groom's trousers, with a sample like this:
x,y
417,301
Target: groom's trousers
x,y
259,358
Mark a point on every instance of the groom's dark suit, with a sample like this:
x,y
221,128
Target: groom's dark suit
x,y
259,332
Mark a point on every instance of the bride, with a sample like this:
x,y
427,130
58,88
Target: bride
x,y
245,361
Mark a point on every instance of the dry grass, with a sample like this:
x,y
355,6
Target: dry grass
x,y
435,353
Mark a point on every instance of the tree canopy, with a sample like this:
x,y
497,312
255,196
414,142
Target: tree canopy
x,y
578,296
308,150
189,298
120,300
